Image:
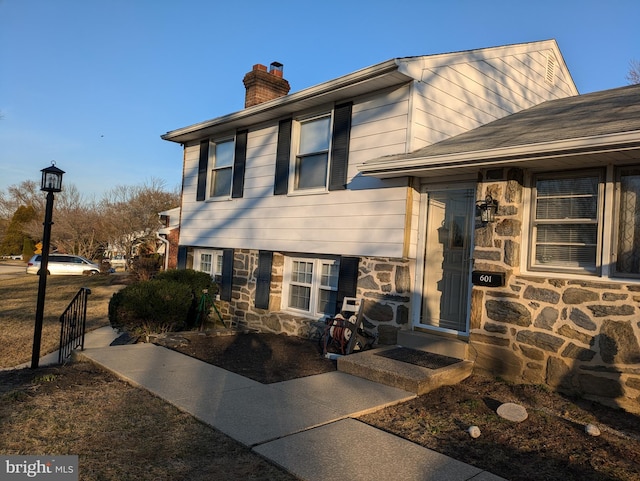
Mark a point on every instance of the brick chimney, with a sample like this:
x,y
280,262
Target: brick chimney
x,y
263,86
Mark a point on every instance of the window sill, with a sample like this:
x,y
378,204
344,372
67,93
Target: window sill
x,y
218,199
578,277
298,193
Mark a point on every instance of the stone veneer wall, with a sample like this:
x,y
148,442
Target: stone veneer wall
x,y
578,336
383,283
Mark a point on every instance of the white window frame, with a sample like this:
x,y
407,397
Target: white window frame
x,y
214,169
597,221
618,210
315,285
297,155
609,218
215,269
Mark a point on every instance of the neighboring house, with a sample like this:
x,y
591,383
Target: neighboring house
x,y
168,235
369,185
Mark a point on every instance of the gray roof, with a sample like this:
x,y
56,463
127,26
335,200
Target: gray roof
x,y
583,116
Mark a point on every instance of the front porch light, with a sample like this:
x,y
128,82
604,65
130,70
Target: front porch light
x,y
486,209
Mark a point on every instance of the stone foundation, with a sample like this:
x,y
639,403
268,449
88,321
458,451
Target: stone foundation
x,y
578,337
383,284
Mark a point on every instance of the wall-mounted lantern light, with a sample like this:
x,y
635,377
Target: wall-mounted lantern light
x,y
486,209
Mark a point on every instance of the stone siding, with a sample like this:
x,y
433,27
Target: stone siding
x,y
577,336
384,284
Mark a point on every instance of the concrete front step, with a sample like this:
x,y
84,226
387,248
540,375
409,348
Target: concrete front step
x,y
409,377
422,341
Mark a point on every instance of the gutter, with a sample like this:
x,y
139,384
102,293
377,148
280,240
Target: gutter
x,y
278,106
401,165
166,250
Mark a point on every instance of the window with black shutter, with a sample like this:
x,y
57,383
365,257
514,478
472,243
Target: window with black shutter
x,y
340,146
263,282
281,184
227,275
239,162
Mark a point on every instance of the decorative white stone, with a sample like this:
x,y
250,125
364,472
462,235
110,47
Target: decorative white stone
x,y
474,431
592,430
512,412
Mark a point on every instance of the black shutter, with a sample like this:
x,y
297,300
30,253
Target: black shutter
x,y
202,170
182,257
227,274
347,280
239,162
281,184
263,284
340,146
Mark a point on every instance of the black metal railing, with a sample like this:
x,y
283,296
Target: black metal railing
x,y
73,323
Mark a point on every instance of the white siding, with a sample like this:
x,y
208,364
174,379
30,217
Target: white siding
x,y
460,92
368,219
451,94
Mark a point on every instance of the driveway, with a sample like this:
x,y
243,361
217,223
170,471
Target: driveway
x,y
11,269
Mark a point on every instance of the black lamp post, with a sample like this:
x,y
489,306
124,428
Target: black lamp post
x,y
51,182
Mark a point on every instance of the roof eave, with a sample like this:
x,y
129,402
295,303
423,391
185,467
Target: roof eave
x,y
378,76
396,167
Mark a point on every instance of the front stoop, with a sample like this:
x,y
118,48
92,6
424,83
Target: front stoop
x,y
402,375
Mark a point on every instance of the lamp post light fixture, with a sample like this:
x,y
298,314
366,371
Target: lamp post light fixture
x,y
486,209
51,182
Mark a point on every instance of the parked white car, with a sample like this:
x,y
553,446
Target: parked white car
x,y
64,265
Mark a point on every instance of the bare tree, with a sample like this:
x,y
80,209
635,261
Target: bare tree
x,y
25,195
130,214
634,72
125,218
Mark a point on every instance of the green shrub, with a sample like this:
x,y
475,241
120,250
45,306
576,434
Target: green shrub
x,y
197,281
150,307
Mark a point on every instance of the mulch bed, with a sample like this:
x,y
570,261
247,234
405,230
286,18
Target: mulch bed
x,y
266,358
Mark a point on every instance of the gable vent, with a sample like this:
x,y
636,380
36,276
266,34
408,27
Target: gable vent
x,y
550,75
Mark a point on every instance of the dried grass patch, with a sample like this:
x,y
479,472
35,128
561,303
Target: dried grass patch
x,y
18,309
119,432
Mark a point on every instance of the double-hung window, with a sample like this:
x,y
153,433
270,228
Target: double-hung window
x,y
566,222
312,159
221,168
311,285
209,261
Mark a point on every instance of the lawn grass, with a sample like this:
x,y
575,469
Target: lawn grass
x,y
18,298
119,432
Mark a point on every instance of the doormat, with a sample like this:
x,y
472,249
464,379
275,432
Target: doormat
x,y
429,360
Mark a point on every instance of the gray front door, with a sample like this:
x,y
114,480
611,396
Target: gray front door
x,y
447,266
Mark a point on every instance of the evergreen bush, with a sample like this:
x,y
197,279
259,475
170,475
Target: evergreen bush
x,y
151,307
199,282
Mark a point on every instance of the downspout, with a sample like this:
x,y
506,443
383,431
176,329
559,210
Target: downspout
x,y
166,250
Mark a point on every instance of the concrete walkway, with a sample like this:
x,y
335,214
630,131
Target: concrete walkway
x,y
306,426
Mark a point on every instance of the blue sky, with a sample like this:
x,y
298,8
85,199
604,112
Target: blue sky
x,y
93,85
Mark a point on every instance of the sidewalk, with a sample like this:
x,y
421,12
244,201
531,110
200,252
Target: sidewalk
x,y
305,425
